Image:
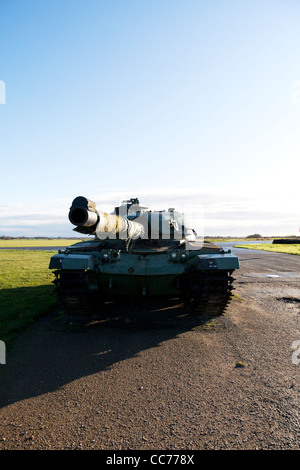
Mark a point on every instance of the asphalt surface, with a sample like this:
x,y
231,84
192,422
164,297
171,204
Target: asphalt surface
x,y
228,384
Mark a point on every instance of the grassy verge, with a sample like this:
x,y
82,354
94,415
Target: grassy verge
x,y
23,243
219,240
293,249
26,291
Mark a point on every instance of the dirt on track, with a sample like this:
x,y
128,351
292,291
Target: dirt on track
x,y
226,384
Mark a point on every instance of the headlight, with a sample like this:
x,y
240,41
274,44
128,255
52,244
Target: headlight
x,y
110,256
105,257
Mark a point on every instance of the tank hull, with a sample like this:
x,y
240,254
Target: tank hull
x,y
85,272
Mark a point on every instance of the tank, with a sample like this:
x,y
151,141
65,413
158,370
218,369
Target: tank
x,y
136,253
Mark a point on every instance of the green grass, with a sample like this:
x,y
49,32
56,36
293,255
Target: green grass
x,y
23,242
26,291
219,240
292,249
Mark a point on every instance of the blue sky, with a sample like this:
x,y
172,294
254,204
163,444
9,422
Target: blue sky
x,y
187,104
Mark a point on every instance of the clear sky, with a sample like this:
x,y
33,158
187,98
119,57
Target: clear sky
x,y
188,104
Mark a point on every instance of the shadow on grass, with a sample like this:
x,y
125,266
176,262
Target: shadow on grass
x,y
20,307
55,351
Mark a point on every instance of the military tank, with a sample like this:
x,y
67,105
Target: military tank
x,y
141,254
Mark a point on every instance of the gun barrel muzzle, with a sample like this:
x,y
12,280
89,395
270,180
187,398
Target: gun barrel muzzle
x,y
83,212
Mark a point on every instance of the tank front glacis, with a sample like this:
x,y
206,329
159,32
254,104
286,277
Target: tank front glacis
x,y
131,256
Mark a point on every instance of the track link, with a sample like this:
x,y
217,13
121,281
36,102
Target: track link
x,y
208,292
204,292
73,292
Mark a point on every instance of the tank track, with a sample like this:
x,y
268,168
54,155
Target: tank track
x,y
73,292
205,293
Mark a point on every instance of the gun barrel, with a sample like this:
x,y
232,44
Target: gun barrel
x,y
83,212
84,215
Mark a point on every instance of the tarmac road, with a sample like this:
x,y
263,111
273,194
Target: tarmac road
x,y
232,385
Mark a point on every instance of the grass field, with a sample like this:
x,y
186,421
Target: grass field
x,y
23,242
219,240
26,291
292,249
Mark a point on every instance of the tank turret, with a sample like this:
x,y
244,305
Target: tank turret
x,y
130,221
